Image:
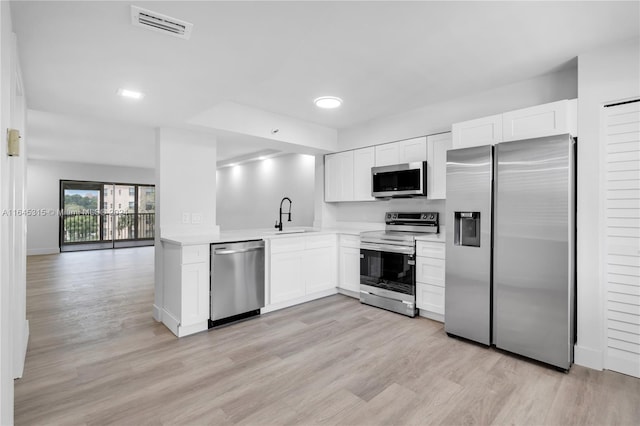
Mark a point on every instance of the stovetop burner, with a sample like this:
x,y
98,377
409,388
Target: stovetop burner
x,y
403,228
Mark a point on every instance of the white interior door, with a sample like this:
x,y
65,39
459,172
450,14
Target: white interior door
x,y
622,227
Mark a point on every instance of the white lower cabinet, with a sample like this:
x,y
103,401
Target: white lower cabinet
x,y
301,268
286,277
430,282
319,269
430,298
349,264
185,288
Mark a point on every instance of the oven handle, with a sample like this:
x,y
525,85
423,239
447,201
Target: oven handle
x,y
388,248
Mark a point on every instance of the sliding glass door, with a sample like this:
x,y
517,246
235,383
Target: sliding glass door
x,y
100,215
81,221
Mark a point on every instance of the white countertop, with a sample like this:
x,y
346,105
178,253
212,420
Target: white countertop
x,y
253,234
264,234
433,237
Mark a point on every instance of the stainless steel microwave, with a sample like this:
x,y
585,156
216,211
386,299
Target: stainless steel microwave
x,y
399,180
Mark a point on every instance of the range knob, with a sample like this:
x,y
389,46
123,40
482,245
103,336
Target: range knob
x,y
388,215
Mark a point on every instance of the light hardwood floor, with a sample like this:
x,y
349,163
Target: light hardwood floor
x,y
97,357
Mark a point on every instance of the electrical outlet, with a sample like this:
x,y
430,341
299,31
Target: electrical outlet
x,y
196,218
186,218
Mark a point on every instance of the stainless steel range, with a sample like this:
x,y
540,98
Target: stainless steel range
x,y
388,259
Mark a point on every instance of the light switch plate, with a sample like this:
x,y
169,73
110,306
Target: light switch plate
x,y
196,218
186,218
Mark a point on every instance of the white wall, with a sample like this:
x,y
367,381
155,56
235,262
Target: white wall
x,y
43,192
245,120
14,328
606,75
248,195
185,192
373,211
437,118
186,179
63,137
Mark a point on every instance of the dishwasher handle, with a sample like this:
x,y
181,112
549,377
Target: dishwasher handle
x,y
232,251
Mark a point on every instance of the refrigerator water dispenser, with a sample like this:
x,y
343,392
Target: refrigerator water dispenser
x,y
467,229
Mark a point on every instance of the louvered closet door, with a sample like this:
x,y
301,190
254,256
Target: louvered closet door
x,y
622,216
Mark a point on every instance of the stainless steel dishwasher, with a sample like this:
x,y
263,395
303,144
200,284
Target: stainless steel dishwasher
x,y
237,281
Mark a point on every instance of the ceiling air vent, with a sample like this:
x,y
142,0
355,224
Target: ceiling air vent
x,y
160,23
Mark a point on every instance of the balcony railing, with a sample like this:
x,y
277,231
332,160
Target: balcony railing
x,y
80,227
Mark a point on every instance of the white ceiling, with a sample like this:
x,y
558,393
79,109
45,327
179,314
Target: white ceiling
x,y
380,57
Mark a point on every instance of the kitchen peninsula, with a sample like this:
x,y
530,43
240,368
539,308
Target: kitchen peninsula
x,y
301,264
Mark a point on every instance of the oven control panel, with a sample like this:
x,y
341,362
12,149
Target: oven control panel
x,y
412,217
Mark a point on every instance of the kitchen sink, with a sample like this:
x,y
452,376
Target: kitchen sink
x,y
292,231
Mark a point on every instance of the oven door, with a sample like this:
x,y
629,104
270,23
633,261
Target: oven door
x,y
388,267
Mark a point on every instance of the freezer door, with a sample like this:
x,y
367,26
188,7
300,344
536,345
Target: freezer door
x,y
534,249
468,244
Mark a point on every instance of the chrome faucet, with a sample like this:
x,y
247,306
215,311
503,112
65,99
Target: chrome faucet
x,y
279,224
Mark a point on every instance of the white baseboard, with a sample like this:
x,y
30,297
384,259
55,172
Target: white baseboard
x,y
350,293
40,251
193,328
588,357
18,365
171,322
157,313
299,300
623,362
431,315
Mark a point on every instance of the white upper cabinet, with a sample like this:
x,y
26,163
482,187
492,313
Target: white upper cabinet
x,y
338,176
437,146
406,151
554,118
387,154
478,132
412,150
363,161
331,177
542,120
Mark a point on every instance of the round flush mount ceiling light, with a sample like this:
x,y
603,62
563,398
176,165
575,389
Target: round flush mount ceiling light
x,y
131,94
328,102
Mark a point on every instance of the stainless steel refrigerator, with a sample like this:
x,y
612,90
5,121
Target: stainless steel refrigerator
x,y
510,247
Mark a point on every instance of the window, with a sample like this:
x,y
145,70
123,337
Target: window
x,y
91,220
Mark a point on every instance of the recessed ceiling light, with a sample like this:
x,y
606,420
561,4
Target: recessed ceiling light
x,y
328,102
132,94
